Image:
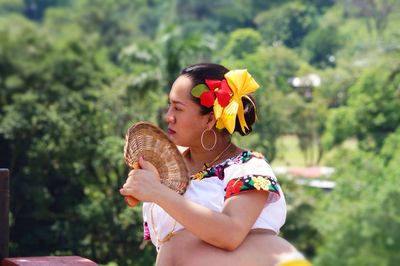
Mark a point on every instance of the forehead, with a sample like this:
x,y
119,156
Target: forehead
x,y
180,90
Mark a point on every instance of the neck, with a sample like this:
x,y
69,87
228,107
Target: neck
x,y
198,156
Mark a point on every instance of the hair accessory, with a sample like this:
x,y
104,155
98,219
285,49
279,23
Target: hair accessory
x,y
226,97
215,91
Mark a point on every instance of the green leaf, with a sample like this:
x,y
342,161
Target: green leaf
x,y
199,89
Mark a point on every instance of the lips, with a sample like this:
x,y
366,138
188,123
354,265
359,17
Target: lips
x,y
170,131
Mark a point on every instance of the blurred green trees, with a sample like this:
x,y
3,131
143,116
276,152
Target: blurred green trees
x,y
75,74
359,220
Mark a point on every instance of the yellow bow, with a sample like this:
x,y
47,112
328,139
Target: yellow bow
x,y
241,83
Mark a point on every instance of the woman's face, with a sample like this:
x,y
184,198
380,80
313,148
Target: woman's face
x,y
185,122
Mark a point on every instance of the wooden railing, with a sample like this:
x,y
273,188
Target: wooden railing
x,y
4,236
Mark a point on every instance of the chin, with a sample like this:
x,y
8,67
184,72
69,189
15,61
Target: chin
x,y
178,143
173,139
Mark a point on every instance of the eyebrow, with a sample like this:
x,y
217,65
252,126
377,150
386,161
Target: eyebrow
x,y
177,102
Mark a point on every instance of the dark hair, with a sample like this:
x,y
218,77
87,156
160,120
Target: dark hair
x,y
200,72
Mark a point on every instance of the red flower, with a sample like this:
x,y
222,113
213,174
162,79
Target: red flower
x,y
218,88
224,93
233,187
207,99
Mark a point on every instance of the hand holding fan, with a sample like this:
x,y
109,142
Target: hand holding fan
x,y
149,141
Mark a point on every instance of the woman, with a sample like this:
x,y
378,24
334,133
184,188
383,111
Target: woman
x,y
234,207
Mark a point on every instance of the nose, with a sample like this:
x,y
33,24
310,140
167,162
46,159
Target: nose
x,y
168,117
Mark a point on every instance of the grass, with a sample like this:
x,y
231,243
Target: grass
x,y
289,153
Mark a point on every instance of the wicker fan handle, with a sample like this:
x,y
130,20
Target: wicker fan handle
x,y
131,201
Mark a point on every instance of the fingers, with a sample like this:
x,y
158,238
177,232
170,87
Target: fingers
x,y
135,174
146,165
141,182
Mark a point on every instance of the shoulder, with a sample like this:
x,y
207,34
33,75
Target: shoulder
x,y
251,172
248,162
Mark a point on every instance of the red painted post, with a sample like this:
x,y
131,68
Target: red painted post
x,y
4,209
48,261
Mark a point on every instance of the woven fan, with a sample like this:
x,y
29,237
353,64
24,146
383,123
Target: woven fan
x,y
147,140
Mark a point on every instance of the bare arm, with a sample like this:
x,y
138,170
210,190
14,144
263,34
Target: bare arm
x,y
225,230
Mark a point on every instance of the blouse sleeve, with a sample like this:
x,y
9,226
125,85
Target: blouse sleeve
x,y
254,175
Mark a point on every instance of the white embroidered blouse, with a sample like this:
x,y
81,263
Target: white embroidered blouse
x,y
248,171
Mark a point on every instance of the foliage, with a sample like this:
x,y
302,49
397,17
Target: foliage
x,y
341,124
288,24
242,42
322,45
372,111
335,83
359,219
301,203
211,16
272,66
375,12
308,124
64,144
390,149
11,6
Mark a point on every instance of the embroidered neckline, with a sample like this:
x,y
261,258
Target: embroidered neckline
x,y
218,169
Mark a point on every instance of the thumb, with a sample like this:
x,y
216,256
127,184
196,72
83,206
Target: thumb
x,y
146,165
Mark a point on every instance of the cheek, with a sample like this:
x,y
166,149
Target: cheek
x,y
192,124
191,117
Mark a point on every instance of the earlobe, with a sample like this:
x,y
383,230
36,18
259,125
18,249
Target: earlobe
x,y
211,120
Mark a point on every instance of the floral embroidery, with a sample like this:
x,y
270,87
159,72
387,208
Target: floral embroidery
x,y
218,170
234,187
146,231
260,182
257,155
200,175
251,182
